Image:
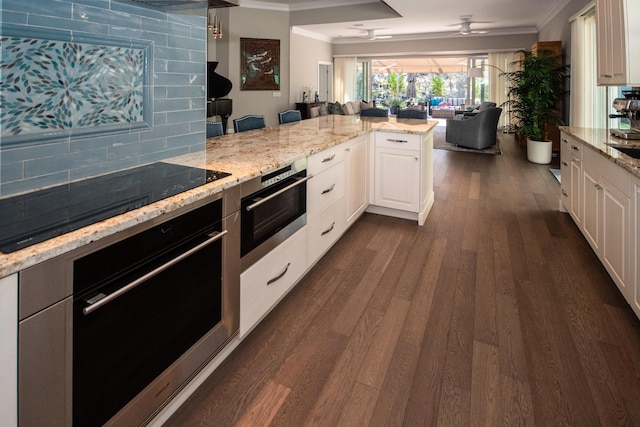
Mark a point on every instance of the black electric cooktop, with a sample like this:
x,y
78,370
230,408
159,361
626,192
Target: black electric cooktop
x,y
34,217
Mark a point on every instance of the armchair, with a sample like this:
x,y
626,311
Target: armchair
x,y
479,131
462,115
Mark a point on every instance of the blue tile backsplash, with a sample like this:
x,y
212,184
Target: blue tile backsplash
x,y
151,106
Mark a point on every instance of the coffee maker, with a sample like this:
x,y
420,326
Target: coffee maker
x,y
628,107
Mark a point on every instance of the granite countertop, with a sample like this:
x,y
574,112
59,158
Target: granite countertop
x,y
599,140
245,155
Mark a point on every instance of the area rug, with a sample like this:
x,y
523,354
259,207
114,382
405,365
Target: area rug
x,y
440,144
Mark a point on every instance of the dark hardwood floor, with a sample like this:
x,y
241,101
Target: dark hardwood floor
x,y
495,313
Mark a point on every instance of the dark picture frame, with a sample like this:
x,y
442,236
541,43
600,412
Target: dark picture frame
x,y
259,64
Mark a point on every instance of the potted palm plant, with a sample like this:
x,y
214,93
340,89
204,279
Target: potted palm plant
x,y
397,86
535,90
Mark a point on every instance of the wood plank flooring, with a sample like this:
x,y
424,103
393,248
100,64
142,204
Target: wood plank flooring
x,y
495,313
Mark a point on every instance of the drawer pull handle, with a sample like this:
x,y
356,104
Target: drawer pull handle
x,y
565,163
328,190
258,202
102,300
328,159
598,186
564,193
279,276
575,148
401,141
328,230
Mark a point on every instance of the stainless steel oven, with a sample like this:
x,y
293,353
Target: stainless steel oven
x,y
273,207
110,332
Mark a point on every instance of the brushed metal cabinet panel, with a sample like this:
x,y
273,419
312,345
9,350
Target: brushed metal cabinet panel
x,y
44,367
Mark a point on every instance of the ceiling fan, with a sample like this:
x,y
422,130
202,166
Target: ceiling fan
x,y
465,26
371,34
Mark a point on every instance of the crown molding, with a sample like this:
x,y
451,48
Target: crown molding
x,y
257,4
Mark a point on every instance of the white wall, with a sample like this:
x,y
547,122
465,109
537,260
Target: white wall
x,y
241,22
305,55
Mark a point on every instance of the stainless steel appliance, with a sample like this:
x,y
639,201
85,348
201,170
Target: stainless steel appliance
x,y
36,216
110,332
273,207
628,108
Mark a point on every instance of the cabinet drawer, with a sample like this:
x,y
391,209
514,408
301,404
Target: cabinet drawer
x,y
264,283
325,188
324,160
606,169
570,148
325,229
397,140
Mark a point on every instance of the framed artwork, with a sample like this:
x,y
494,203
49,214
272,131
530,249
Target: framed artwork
x,y
260,64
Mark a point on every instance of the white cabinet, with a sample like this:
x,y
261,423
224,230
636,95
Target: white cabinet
x,y
397,178
268,280
326,216
571,173
402,175
356,174
634,297
618,64
9,350
607,219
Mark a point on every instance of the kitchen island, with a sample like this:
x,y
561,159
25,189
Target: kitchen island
x,y
245,155
404,146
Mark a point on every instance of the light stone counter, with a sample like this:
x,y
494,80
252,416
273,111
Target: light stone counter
x,y
599,140
245,155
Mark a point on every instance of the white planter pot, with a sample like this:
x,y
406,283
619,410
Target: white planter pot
x,y
539,152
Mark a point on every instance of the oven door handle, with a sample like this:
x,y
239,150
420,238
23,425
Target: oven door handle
x,y
277,193
123,290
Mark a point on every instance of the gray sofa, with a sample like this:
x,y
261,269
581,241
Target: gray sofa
x,y
479,131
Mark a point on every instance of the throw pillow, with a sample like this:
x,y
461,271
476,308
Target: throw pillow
x,y
324,109
348,109
365,104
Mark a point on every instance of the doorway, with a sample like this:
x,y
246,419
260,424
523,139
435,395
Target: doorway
x,y
325,77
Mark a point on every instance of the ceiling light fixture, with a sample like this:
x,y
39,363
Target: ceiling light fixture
x,y
215,26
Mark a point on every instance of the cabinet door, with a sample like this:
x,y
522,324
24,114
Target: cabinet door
x,y
615,235
397,179
611,42
571,170
9,350
576,192
592,211
356,176
635,251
